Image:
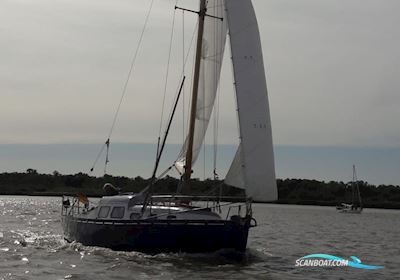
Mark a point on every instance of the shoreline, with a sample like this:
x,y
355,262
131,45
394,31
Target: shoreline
x,y
290,191
279,202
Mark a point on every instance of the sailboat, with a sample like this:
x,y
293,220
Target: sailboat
x,y
355,207
178,223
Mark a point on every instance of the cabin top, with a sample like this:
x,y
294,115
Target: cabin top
x,y
116,199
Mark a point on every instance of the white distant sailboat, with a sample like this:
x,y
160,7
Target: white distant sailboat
x,y
153,223
355,207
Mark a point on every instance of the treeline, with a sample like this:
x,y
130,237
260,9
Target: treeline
x,y
33,183
290,191
313,192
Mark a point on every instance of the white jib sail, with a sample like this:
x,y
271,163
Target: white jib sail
x,y
214,38
253,167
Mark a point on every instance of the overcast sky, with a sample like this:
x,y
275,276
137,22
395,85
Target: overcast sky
x,y
332,71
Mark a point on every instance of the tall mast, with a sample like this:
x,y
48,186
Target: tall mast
x,y
357,186
353,186
189,151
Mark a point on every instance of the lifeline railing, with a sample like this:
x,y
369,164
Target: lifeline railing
x,y
212,203
217,202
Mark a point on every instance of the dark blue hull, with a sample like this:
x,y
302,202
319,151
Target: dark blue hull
x,y
159,235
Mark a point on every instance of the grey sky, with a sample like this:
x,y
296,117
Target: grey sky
x,y
332,71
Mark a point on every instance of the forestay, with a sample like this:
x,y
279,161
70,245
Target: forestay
x,y
253,167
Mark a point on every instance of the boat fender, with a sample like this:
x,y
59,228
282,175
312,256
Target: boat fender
x,y
253,222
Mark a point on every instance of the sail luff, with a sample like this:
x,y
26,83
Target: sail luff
x,y
255,157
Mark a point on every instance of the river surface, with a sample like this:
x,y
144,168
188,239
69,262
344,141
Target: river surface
x,y
32,247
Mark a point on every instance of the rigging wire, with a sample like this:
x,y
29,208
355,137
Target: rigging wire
x,y
218,35
131,68
107,154
214,114
167,72
130,73
183,73
98,156
205,138
185,59
203,118
215,140
191,80
170,118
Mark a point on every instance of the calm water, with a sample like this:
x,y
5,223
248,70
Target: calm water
x,y
32,247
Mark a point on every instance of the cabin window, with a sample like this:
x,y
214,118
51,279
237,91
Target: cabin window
x,y
104,210
118,212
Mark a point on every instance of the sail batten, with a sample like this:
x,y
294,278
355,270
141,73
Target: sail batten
x,y
253,167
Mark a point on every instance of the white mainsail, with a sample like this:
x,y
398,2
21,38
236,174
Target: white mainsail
x,y
253,167
214,38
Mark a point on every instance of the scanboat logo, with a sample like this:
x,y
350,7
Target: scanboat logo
x,y
332,261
